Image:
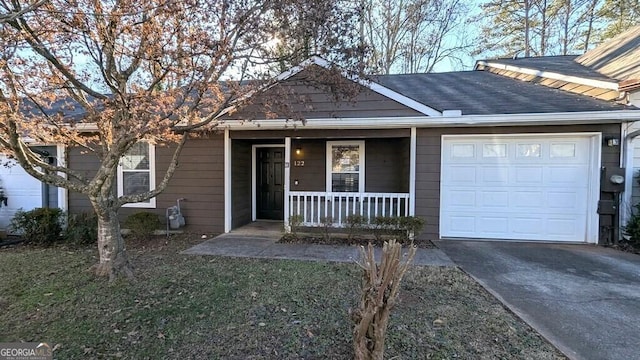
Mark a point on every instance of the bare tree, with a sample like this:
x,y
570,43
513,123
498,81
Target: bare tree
x,y
378,295
619,16
589,15
536,27
435,35
413,35
136,71
571,25
506,28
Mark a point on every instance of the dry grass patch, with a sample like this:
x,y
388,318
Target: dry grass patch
x,y
214,307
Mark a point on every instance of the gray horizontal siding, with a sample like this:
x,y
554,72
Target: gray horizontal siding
x,y
312,176
636,173
199,179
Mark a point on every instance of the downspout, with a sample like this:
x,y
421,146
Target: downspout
x,y
45,195
46,156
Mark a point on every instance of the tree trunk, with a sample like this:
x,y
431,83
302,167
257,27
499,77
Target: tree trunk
x,y
592,8
114,260
543,30
527,8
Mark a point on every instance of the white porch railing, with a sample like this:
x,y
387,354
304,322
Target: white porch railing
x,y
315,207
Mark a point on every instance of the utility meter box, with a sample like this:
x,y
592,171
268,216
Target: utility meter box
x,y
612,179
607,207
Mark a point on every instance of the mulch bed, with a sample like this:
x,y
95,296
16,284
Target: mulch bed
x,y
339,239
626,247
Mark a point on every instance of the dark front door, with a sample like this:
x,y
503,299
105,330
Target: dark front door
x,y
270,183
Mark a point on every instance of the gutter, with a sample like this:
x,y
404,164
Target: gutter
x,y
450,118
630,85
617,116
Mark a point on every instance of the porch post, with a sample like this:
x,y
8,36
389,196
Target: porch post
x,y
227,181
287,182
412,173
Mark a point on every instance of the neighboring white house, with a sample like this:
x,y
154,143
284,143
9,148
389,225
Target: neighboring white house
x,y
22,191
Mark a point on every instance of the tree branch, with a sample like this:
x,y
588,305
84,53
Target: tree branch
x,y
16,13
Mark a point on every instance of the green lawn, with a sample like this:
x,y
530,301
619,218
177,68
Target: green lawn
x,y
184,307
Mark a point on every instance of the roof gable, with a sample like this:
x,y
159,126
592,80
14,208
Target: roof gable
x,y
310,93
371,85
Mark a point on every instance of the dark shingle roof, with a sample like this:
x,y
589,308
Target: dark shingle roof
x,y
484,93
565,65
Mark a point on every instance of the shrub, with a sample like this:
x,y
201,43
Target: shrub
x,y
295,221
82,229
327,223
384,226
41,226
632,229
410,226
142,224
355,225
403,228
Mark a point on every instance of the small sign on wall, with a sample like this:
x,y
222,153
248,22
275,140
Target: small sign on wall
x,y
298,163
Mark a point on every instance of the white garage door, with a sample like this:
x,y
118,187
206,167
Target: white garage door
x,y
516,187
21,189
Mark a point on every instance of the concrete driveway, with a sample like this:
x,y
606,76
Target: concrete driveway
x,y
584,299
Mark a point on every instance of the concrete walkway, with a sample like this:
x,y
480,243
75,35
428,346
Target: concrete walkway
x,y
266,247
584,299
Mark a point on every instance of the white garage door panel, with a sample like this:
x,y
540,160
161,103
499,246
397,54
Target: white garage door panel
x,y
22,190
532,175
462,175
545,201
494,199
517,227
524,188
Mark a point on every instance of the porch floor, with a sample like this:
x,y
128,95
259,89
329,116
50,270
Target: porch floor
x,y
260,228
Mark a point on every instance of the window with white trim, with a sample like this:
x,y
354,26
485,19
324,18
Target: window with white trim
x,y
345,166
136,173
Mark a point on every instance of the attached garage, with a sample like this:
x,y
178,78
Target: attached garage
x,y
542,187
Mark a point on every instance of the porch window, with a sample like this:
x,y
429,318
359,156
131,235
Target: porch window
x,y
345,166
136,173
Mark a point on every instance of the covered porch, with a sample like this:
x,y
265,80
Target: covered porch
x,y
318,177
